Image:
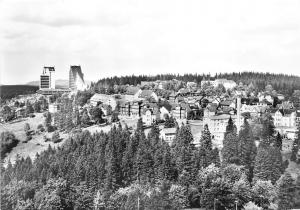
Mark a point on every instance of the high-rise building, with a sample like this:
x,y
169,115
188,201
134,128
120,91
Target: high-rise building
x,y
47,78
76,81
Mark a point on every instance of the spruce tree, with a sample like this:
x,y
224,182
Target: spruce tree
x,y
268,163
287,192
230,148
48,121
247,148
278,142
205,154
268,130
296,144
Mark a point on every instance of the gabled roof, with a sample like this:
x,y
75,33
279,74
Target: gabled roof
x,y
226,102
132,90
288,111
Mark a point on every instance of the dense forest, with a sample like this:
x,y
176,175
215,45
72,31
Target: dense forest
x,y
124,170
285,84
10,91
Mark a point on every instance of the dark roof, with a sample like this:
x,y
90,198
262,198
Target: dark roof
x,y
288,111
226,102
146,93
265,101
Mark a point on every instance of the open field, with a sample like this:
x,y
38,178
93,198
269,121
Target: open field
x,y
32,147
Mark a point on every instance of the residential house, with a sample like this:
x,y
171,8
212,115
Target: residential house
x,y
172,97
149,117
228,84
168,135
132,93
20,112
124,108
97,99
217,125
179,111
285,118
135,109
163,113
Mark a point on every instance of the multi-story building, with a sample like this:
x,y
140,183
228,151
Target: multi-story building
x,y
76,80
285,118
217,123
135,109
179,112
47,78
228,84
217,126
148,117
124,108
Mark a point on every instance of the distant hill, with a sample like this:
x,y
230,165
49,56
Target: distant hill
x,y
10,91
59,83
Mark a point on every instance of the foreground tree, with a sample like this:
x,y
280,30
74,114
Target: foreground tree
x,y
230,149
287,192
268,164
8,141
296,145
247,149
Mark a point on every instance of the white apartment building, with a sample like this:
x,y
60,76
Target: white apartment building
x,y
47,78
285,118
217,126
228,84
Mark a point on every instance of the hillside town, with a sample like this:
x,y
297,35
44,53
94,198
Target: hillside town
x,y
211,103
215,126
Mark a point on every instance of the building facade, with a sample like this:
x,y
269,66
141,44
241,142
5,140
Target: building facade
x,y
47,78
76,80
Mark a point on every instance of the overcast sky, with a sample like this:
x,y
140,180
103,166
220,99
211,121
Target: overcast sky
x,y
110,38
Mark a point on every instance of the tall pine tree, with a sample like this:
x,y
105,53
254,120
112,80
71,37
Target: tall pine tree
x,y
247,149
287,192
230,151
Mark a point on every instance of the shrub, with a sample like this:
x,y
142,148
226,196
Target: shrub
x,y
55,137
40,128
26,128
46,139
8,141
28,138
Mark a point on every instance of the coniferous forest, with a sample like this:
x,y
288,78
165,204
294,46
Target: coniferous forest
x,y
129,170
285,84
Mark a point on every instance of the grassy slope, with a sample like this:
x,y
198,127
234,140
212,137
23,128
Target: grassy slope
x,y
36,145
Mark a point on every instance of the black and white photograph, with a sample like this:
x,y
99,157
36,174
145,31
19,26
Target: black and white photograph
x,y
150,105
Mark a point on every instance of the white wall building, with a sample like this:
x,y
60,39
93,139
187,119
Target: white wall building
x,y
47,78
168,135
228,84
285,118
148,117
